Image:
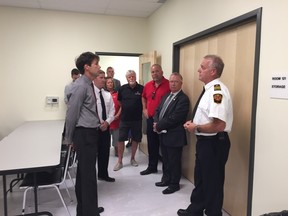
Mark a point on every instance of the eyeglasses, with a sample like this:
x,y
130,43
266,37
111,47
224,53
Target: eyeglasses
x,y
153,95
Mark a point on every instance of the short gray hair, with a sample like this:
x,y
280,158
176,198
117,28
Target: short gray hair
x,y
178,75
217,63
130,72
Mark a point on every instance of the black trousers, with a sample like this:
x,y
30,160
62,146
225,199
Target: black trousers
x,y
103,153
86,141
153,145
171,166
209,175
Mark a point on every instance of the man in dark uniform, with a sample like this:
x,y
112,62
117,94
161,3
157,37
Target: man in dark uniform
x,y
211,124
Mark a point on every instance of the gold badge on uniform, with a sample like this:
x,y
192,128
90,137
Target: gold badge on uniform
x,y
217,98
217,87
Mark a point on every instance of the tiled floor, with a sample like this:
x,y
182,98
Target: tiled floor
x,y
131,194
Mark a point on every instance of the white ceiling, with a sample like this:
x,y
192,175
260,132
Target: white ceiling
x,y
134,8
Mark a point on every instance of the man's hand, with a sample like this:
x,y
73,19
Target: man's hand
x,y
145,113
104,126
155,127
65,141
116,117
190,126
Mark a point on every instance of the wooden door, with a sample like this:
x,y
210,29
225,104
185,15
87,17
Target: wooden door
x,y
236,46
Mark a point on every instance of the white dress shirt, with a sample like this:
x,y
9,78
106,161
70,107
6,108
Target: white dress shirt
x,y
212,107
109,105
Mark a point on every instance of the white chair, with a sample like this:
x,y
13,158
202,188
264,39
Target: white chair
x,y
54,179
72,164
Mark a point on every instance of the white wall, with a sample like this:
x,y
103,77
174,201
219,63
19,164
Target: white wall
x,y
179,19
37,53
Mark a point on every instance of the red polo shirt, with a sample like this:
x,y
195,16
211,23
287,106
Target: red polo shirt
x,y
154,95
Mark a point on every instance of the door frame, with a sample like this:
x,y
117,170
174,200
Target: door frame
x,y
118,54
255,16
143,145
150,57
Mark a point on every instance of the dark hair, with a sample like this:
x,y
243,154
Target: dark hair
x,y
74,71
217,63
85,58
109,68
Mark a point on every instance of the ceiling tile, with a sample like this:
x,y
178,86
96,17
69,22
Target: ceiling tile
x,y
135,8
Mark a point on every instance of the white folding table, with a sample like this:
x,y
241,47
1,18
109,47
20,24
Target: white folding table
x,y
34,146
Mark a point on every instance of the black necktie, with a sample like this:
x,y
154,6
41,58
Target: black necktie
x,y
197,103
104,116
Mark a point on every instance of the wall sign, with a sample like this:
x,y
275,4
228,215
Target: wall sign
x,y
279,86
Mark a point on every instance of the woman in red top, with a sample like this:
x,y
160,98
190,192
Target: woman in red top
x,y
114,126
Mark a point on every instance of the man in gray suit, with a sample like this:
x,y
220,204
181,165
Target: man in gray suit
x,y
168,122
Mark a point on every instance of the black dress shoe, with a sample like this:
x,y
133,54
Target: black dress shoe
x,y
108,179
100,210
161,184
148,171
170,190
183,212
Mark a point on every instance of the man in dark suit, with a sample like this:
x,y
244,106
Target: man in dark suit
x,y
169,118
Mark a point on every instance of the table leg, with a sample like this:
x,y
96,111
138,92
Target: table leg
x,y
5,196
36,213
35,193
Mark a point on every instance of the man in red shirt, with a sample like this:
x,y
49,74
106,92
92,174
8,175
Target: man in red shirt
x,y
152,94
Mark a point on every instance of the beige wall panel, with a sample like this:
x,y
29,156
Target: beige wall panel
x,y
213,45
188,69
237,185
236,47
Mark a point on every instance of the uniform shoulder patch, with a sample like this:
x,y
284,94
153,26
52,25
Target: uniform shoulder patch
x,y
217,87
217,98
